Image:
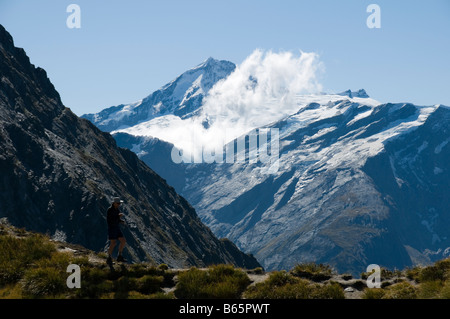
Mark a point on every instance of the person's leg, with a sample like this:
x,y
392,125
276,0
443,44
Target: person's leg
x,y
122,244
112,244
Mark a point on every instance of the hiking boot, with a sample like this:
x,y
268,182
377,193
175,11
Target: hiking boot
x,y
109,260
121,259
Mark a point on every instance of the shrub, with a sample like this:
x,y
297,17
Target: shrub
x,y
313,271
221,281
47,277
256,271
137,270
279,285
16,254
42,282
431,273
282,285
403,290
280,278
445,291
123,286
163,267
439,271
149,284
94,284
330,290
373,293
413,273
429,289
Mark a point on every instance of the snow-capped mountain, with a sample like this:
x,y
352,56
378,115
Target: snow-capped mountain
x,y
357,182
182,97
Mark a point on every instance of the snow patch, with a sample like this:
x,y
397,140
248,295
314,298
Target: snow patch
x,y
422,147
59,235
136,148
439,148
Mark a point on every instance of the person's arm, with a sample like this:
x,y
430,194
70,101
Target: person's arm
x,y
122,221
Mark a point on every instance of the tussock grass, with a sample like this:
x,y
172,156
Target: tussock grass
x,y
313,271
282,285
218,282
16,254
31,266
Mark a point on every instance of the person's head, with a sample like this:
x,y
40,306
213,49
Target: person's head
x,y
116,202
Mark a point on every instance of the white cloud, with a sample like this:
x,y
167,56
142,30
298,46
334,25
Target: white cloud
x,y
261,90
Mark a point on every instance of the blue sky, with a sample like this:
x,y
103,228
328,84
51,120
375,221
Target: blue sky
x,y
125,50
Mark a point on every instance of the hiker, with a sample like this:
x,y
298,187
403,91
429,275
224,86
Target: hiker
x,y
113,218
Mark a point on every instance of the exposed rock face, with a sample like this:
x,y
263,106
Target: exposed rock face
x,y
58,174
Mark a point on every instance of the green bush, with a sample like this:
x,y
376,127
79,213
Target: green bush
x,y
47,276
431,273
221,281
373,293
149,284
444,293
43,282
256,271
123,286
16,254
137,270
413,273
94,283
402,290
429,289
439,271
282,285
163,267
330,290
313,271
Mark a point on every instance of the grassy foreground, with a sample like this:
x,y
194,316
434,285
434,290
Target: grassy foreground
x,y
33,266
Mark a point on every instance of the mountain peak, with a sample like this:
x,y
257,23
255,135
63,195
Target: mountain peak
x,y
181,97
210,60
5,38
215,63
361,93
17,73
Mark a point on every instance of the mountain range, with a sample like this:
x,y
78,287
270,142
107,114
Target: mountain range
x,y
59,173
358,182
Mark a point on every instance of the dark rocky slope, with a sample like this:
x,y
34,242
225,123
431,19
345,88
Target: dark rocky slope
x,y
58,174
